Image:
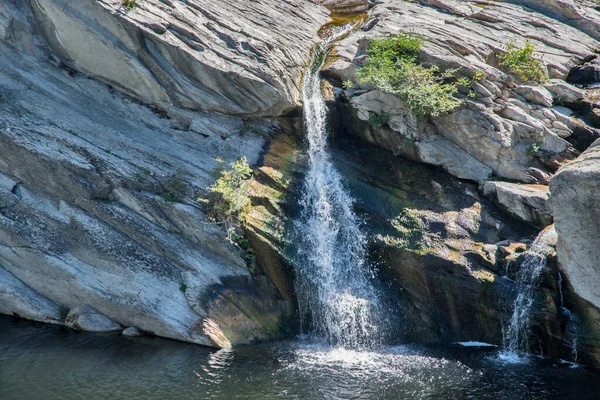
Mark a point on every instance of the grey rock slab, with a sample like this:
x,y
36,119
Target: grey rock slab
x,y
346,6
234,57
131,332
564,92
85,318
16,298
83,215
536,94
507,117
528,203
574,204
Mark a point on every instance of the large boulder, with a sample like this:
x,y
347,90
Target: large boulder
x,y
588,73
231,57
574,203
525,202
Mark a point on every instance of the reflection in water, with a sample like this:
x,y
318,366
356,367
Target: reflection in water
x,y
48,362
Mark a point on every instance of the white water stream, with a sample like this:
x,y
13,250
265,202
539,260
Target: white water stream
x,y
516,339
334,282
517,335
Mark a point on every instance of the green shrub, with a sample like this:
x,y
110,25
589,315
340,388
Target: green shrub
x,y
129,4
478,75
522,62
378,120
533,149
391,66
348,84
174,189
231,201
394,46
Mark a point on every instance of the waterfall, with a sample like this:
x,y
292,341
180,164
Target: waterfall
x,y
516,339
334,282
571,329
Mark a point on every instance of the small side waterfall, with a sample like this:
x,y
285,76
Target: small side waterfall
x,y
516,339
535,259
573,321
334,283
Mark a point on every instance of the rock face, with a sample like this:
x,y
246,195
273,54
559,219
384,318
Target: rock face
x,y
525,202
85,318
574,195
346,6
98,194
230,57
445,252
501,119
131,332
448,255
586,74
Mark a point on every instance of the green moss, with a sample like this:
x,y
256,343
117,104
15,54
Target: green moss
x,y
478,75
409,232
392,66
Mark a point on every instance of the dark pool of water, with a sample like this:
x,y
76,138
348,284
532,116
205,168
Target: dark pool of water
x,y
47,362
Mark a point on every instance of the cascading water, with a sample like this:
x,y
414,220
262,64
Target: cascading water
x,y
517,335
334,284
573,322
516,339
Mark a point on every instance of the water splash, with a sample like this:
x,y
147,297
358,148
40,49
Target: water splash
x,y
334,283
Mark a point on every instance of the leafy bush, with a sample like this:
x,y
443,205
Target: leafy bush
x,y
523,63
231,200
533,149
129,4
391,66
478,75
378,120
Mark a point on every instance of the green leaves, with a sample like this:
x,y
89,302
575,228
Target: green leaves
x,y
378,120
391,66
522,62
231,190
129,4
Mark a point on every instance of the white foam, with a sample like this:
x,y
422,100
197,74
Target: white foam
x,y
475,344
